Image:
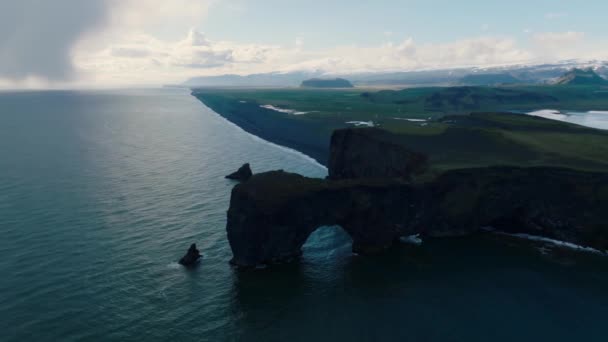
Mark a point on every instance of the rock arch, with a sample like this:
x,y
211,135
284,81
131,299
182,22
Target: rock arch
x,y
272,215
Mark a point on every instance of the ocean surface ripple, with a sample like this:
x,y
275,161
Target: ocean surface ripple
x,y
101,192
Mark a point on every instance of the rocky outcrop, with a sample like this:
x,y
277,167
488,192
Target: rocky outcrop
x,y
242,174
377,192
372,153
191,258
272,215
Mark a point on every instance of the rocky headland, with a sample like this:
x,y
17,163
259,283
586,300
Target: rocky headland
x,y
379,190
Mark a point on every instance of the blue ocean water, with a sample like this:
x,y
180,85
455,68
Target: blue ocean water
x,y
101,192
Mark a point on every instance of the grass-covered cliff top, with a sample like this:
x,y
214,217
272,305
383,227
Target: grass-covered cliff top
x,y
415,103
501,139
434,121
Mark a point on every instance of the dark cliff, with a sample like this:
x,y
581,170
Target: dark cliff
x,y
372,196
371,153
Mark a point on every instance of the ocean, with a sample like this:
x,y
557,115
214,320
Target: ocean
x,y
101,192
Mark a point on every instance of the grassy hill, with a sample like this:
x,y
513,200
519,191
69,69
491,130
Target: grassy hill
x,y
505,139
428,120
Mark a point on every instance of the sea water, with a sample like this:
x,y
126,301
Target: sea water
x,y
102,192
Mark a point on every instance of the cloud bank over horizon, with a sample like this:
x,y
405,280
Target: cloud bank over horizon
x,y
36,36
107,43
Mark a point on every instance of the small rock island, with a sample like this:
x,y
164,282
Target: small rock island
x,y
191,258
242,174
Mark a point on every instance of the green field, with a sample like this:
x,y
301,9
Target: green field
x,y
505,139
450,136
368,104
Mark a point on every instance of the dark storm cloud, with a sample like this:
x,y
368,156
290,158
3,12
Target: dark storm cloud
x,y
37,36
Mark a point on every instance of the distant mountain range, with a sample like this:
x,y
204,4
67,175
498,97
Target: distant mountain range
x,y
582,77
271,79
326,83
518,74
489,79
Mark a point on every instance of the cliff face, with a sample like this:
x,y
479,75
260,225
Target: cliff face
x,y
272,215
370,153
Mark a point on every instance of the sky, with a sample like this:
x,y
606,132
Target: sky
x,y
120,43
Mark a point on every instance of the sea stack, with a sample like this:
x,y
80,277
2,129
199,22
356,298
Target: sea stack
x,y
242,174
191,257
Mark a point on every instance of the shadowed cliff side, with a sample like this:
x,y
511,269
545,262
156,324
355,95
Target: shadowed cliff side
x,y
504,171
272,215
371,153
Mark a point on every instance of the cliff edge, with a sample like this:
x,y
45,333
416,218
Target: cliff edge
x,y
378,190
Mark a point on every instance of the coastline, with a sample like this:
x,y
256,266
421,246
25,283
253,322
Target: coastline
x,y
275,127
276,145
297,136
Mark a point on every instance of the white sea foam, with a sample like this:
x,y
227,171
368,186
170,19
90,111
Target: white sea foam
x,y
549,114
283,110
286,149
361,123
412,239
411,120
558,243
595,119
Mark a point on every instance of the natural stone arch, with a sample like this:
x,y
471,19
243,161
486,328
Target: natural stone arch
x,y
324,242
273,214
271,226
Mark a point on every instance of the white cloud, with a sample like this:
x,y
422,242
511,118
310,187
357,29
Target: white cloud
x,y
136,42
407,48
142,14
568,45
559,45
33,45
140,58
408,55
197,52
555,38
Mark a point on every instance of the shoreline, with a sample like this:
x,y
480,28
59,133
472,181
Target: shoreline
x,y
291,150
273,127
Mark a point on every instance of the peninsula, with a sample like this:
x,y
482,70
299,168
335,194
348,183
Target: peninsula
x,y
437,162
461,181
305,118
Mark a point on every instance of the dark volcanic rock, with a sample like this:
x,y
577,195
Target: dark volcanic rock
x,y
191,257
374,194
242,174
371,153
272,215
